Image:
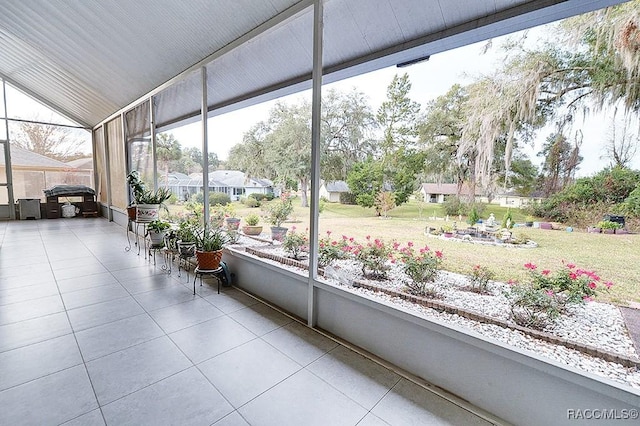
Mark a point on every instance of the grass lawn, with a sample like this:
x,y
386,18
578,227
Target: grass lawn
x,y
615,258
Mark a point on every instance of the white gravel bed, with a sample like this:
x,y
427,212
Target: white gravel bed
x,y
596,324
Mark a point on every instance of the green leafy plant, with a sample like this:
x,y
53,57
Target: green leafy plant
x,y
252,219
136,184
479,278
210,239
187,229
474,216
278,211
607,224
507,220
422,267
533,307
216,216
158,226
295,243
158,196
575,284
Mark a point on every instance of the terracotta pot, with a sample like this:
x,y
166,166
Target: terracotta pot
x,y
131,212
252,230
208,260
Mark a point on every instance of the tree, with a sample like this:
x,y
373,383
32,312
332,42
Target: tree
x,y
290,144
398,116
168,149
598,65
347,136
441,133
365,181
60,143
621,147
561,161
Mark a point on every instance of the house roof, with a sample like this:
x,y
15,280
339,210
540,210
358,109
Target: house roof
x,y
81,163
90,59
21,157
219,179
336,186
446,189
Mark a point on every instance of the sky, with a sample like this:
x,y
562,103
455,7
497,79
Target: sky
x,y
429,79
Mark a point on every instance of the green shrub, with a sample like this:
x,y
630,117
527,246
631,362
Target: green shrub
x,y
251,202
479,278
453,206
347,198
632,203
219,198
261,197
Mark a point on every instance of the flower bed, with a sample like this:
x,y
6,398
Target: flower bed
x,y
590,336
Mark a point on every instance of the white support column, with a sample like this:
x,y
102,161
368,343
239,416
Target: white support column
x,y
152,130
205,147
316,104
107,166
7,157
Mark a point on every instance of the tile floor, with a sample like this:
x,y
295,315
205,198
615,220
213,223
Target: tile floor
x,y
93,335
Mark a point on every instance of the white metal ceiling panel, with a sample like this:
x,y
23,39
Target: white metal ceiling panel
x,y
91,58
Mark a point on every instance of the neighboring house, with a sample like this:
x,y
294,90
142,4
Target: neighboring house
x,y
511,199
331,190
33,173
234,183
437,192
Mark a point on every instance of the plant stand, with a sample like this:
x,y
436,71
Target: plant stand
x,y
219,274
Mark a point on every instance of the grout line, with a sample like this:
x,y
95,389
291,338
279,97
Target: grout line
x,y
452,398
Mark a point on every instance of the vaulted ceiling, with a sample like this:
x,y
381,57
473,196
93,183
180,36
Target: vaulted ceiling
x,y
89,59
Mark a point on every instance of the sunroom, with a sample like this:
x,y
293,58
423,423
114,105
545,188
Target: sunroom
x,y
130,71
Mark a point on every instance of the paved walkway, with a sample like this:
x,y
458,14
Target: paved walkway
x,y
632,320
92,335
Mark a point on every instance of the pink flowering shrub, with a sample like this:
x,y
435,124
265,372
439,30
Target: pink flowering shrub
x,y
295,243
330,250
574,284
373,257
422,267
479,278
541,301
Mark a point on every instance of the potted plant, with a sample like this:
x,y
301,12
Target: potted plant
x,y
137,188
156,231
252,227
447,230
608,227
277,212
233,223
209,244
186,238
149,202
528,221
